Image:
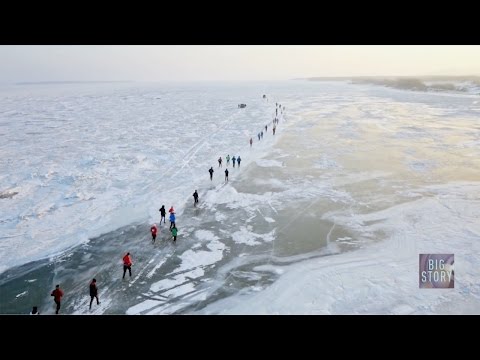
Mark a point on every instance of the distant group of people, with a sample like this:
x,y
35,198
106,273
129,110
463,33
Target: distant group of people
x,y
275,121
173,227
278,107
234,159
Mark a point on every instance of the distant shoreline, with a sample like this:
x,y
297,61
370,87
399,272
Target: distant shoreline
x,y
463,84
70,82
383,77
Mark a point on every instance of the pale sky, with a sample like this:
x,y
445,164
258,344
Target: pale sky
x,y
237,62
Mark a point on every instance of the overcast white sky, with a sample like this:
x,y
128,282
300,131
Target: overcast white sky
x,y
211,63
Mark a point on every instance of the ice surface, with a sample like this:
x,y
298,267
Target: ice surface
x,y
328,216
383,278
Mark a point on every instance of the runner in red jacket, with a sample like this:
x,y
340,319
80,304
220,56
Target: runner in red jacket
x,y
57,297
127,264
153,230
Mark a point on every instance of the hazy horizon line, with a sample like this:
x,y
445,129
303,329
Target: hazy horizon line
x,y
236,80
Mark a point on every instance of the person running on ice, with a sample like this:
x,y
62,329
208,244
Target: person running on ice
x,y
195,197
153,230
172,220
127,265
34,311
238,160
211,173
162,214
93,292
228,159
174,233
233,160
220,161
226,175
57,296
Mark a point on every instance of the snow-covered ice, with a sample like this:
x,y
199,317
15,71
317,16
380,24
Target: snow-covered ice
x,y
327,217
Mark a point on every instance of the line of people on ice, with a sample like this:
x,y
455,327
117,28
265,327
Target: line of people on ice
x,y
58,293
234,160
